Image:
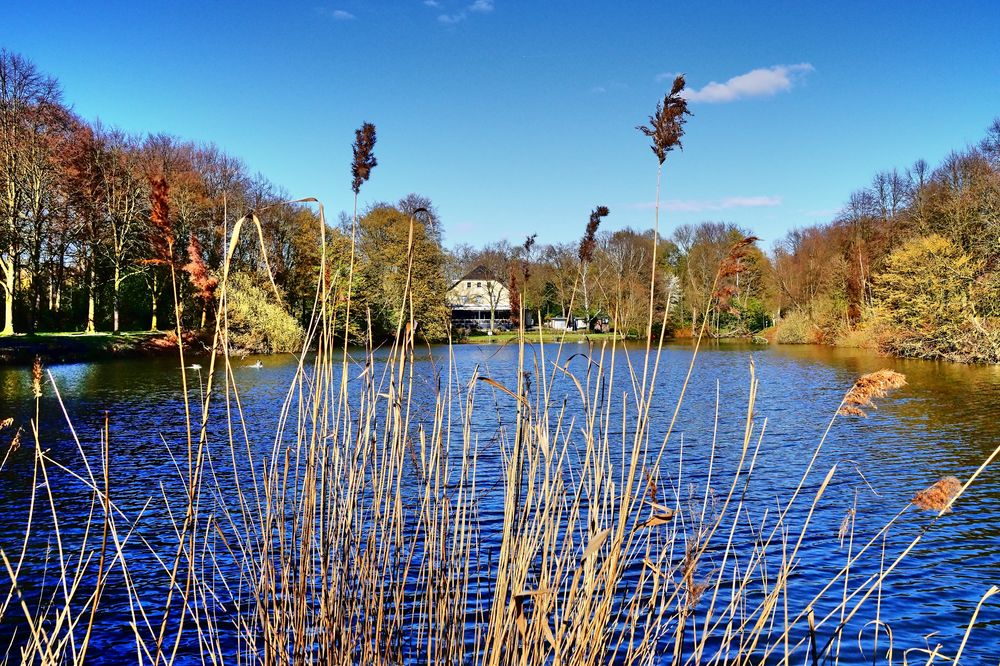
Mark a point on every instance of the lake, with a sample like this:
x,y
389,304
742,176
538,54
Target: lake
x,y
945,422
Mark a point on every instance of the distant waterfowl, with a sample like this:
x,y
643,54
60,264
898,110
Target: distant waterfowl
x,y
257,364
194,366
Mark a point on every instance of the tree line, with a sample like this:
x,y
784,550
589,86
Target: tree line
x,y
89,243
910,264
99,228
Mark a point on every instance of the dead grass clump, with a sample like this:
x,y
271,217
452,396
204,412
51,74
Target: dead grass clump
x,y
873,385
939,496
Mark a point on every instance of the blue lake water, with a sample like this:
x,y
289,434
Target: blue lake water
x,y
945,422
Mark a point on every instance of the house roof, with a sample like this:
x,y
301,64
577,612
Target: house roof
x,y
479,273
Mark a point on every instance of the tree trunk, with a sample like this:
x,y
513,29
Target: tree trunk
x,y
114,328
8,288
34,290
91,298
59,279
152,325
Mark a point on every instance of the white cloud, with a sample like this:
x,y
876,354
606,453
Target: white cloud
x,y
336,14
598,90
478,6
750,202
703,205
665,76
756,83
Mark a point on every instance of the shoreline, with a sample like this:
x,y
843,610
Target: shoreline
x,y
77,347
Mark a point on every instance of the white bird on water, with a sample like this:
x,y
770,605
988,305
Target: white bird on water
x,y
194,366
258,365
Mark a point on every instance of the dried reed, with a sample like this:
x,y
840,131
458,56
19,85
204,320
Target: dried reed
x,y
873,385
666,125
939,495
364,155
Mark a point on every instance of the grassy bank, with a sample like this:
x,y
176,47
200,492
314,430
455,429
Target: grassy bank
x,y
77,347
545,335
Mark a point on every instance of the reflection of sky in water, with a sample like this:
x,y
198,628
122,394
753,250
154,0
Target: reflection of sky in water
x,y
944,422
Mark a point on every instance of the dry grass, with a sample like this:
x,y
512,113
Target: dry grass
x,y
358,536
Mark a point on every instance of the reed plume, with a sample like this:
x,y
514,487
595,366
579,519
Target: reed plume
x,y
515,298
666,126
529,244
873,385
939,496
589,240
15,443
162,238
364,155
36,377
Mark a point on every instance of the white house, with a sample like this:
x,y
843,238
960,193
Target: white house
x,y
478,300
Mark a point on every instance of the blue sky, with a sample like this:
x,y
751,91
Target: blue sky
x,y
518,117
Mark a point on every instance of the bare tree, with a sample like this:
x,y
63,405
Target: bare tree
x,y
26,98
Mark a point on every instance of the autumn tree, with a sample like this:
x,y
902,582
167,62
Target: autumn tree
x,y
124,198
926,303
385,262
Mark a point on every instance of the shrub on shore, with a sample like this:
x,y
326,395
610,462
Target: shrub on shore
x,y
926,303
794,329
258,322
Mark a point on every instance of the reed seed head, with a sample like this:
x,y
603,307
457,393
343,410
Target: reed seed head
x,y
652,491
845,526
163,234
36,377
364,155
589,240
873,385
160,199
529,243
15,443
666,126
939,496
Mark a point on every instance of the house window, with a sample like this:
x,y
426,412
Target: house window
x,y
468,285
479,284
